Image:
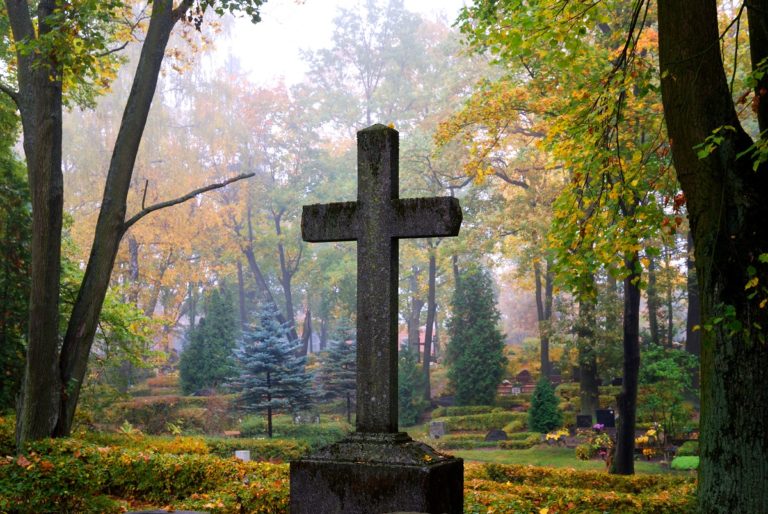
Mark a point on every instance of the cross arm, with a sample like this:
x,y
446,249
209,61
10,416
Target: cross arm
x,y
329,222
427,217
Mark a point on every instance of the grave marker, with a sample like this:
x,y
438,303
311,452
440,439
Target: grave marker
x,y
378,469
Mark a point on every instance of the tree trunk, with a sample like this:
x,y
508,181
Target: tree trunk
x,y
414,317
261,282
544,313
111,226
693,320
624,457
286,271
40,104
154,295
588,390
133,269
431,309
306,334
323,334
652,295
241,295
728,213
669,299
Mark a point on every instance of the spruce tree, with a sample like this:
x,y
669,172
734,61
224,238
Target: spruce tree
x,y
544,414
476,350
272,374
337,373
206,361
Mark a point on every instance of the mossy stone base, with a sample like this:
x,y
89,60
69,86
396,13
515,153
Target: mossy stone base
x,y
377,473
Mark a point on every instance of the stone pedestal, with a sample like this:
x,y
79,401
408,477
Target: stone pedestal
x,y
377,473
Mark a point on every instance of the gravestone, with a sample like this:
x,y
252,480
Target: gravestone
x,y
437,429
606,417
376,468
496,435
583,420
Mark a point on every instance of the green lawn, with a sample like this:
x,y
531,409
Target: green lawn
x,y
550,456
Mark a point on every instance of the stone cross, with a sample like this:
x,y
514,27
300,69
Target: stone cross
x,y
377,220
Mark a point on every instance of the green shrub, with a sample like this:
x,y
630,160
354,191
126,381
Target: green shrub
x,y
685,463
315,434
544,414
7,435
261,449
585,451
462,410
488,421
517,425
688,449
521,401
529,440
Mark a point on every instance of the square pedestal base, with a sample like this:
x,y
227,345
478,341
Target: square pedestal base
x,y
377,473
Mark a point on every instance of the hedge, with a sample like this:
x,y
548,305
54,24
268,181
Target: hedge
x,y
488,421
73,476
463,410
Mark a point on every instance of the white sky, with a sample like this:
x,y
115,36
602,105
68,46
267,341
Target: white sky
x,y
270,49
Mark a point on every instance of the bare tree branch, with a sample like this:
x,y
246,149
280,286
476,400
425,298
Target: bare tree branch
x,y
182,199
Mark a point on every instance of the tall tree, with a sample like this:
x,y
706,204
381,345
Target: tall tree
x,y
206,361
272,376
60,43
476,348
725,185
15,233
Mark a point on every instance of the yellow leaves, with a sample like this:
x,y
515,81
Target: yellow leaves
x,y
751,283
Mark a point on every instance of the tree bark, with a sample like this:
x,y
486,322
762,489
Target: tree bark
x,y
669,340
431,310
727,212
306,334
624,457
414,316
652,294
39,100
693,320
544,312
111,224
241,295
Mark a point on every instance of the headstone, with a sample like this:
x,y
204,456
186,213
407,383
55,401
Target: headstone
x,y
437,429
606,417
243,455
618,381
516,391
378,469
583,420
496,435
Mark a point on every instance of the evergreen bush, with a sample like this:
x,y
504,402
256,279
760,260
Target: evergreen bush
x,y
476,350
544,414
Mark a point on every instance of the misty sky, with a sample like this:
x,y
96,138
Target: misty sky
x,y
270,49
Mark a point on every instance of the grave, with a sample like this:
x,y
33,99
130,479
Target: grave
x,y
437,429
606,417
378,469
583,420
496,435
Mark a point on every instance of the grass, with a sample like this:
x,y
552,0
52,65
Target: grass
x,y
548,456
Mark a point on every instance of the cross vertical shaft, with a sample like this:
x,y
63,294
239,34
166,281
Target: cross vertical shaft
x,y
377,221
377,281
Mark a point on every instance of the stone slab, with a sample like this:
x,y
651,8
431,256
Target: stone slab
x,y
376,473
